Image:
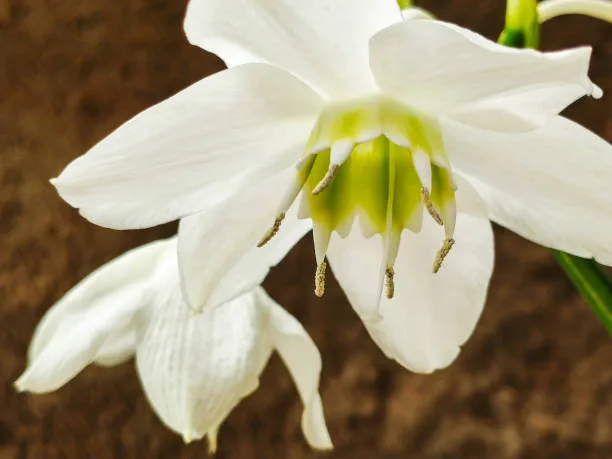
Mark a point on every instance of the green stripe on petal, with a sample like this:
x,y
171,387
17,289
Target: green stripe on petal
x,y
443,197
407,201
372,181
336,204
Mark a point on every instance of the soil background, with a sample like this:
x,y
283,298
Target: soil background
x,y
535,381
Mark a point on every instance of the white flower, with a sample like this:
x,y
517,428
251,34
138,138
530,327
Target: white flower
x,y
194,368
383,118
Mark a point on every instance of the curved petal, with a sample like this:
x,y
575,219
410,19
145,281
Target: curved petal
x,y
444,69
95,321
218,253
196,368
323,42
118,347
194,149
600,9
552,186
430,315
303,360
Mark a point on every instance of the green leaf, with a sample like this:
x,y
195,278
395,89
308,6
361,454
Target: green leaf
x,y
592,281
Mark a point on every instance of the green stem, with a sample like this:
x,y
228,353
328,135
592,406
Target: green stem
x,y
520,13
590,279
522,24
403,4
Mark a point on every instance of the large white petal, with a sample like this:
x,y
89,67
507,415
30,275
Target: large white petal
x,y
445,69
193,149
303,360
95,321
195,368
218,253
431,315
552,186
323,42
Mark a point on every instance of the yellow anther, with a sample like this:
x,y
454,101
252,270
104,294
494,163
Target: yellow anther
x,y
326,181
212,440
442,253
272,231
430,207
320,279
389,282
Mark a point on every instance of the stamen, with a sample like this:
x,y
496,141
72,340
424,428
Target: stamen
x,y
389,282
272,231
326,181
430,207
320,279
442,253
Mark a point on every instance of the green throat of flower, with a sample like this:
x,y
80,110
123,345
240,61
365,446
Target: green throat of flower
x,y
378,160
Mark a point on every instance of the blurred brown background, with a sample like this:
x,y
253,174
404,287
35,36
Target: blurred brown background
x,y
534,382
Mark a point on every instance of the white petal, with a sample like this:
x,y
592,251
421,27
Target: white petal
x,y
218,253
323,42
118,347
445,69
196,368
430,315
600,9
192,150
303,360
552,186
95,321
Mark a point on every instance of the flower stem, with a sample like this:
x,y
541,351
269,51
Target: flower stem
x,y
592,281
589,278
522,24
403,4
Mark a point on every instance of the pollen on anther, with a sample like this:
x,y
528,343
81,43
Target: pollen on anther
x,y
320,279
442,253
430,207
389,282
272,231
326,181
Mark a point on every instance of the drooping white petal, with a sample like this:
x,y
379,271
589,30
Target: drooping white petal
x,y
323,42
95,321
218,252
303,360
118,347
552,186
600,9
195,368
430,315
445,69
192,150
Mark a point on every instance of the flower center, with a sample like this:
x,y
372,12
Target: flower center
x,y
378,160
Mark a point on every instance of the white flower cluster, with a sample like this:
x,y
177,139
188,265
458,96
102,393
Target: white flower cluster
x,y
400,138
